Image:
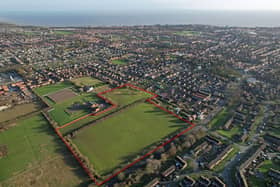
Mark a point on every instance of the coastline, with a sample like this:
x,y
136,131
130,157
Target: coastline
x,y
108,19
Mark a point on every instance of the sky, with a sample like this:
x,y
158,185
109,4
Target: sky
x,y
120,5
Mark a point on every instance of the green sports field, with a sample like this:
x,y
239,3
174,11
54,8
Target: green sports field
x,y
187,33
63,32
119,62
111,142
87,81
44,90
124,96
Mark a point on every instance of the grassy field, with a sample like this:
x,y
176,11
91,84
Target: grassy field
x,y
61,171
187,33
125,96
32,148
44,90
17,111
59,111
221,166
87,81
220,119
121,97
256,182
225,71
264,168
230,133
30,33
119,62
258,120
114,140
267,164
81,123
61,116
62,32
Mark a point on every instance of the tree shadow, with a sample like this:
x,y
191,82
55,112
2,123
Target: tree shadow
x,y
178,121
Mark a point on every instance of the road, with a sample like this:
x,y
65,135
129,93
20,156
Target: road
x,y
231,165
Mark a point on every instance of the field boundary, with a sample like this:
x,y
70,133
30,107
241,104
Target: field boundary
x,y
113,105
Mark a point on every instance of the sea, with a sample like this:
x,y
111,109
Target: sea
x,y
129,18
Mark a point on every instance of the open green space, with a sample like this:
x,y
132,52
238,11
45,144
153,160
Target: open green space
x,y
63,32
187,33
264,169
33,152
61,170
18,111
220,119
256,182
60,111
44,90
30,33
120,62
124,96
63,112
267,164
225,71
87,81
257,121
230,133
28,143
84,122
221,166
275,131
121,137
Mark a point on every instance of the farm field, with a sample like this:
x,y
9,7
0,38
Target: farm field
x,y
32,147
87,81
122,136
18,111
